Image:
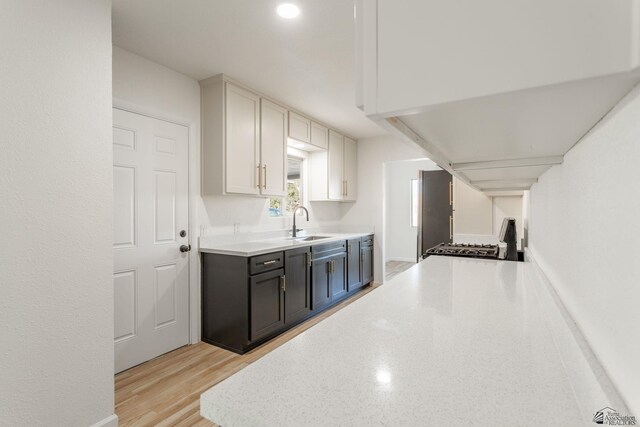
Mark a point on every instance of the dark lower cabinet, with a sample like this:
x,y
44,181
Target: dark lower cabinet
x,y
329,274
246,301
297,285
321,283
354,269
366,259
266,296
338,276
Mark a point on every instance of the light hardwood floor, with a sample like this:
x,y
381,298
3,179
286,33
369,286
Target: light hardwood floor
x,y
393,268
166,391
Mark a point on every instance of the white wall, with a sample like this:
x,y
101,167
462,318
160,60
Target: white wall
x,y
401,242
373,153
473,210
584,230
56,298
141,83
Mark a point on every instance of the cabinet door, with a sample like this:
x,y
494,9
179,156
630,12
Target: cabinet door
x,y
336,164
267,304
242,141
367,264
321,291
299,127
350,169
273,148
297,291
319,136
354,269
338,276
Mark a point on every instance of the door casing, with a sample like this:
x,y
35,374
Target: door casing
x,y
194,191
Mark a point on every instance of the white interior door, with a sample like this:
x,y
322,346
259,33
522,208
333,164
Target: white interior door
x,y
151,211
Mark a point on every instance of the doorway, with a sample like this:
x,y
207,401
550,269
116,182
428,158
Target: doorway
x,y
150,237
401,212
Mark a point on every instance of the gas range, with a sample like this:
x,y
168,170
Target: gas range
x,y
465,250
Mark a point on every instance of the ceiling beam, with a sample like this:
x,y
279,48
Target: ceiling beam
x,y
513,163
502,183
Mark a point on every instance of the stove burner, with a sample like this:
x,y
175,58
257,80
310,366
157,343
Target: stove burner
x,y
465,250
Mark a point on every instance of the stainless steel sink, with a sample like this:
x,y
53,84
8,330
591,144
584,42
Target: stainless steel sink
x,y
312,238
308,238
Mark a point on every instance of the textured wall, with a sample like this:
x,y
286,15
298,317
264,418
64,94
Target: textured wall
x,y
56,301
584,230
373,153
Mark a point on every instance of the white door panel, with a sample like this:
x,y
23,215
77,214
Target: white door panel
x,y
350,169
336,157
242,140
151,275
273,148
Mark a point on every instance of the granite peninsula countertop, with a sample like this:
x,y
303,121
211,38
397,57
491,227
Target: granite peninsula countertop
x,y
451,341
249,248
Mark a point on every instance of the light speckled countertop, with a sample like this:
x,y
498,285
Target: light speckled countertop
x,y
259,247
451,341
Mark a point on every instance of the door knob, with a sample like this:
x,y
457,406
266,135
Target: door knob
x,y
185,248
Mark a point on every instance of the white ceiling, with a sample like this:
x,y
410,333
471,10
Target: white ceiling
x,y
307,63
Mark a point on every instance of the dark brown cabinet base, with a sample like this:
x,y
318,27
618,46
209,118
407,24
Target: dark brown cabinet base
x,y
247,301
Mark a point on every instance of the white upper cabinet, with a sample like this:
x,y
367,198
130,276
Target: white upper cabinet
x,y
350,168
273,148
244,146
244,141
242,114
333,173
319,136
299,127
336,166
495,92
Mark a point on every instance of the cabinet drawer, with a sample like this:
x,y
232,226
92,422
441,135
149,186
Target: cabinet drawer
x,y
268,262
367,241
319,251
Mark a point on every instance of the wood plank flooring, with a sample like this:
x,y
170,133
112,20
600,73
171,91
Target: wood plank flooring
x,y
166,391
393,268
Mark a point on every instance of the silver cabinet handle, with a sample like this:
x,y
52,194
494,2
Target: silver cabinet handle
x,y
450,193
450,227
258,176
273,261
283,283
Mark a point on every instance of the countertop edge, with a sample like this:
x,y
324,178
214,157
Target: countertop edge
x,y
227,249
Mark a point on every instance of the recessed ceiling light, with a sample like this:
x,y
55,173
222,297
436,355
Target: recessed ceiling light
x,y
288,10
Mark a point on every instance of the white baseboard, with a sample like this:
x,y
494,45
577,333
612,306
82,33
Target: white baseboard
x,y
110,421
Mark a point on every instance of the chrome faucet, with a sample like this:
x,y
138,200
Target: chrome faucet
x,y
295,210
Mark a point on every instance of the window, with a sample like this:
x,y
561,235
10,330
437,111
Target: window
x,y
284,206
415,200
